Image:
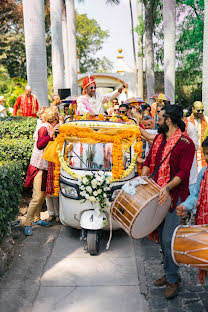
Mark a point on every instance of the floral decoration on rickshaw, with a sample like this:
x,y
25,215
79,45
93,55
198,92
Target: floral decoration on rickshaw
x,y
122,138
102,117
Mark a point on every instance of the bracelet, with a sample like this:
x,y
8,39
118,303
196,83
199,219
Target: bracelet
x,y
167,189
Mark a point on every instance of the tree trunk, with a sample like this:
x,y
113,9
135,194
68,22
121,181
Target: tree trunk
x,y
169,17
140,31
65,48
71,30
134,49
205,60
149,52
57,44
34,30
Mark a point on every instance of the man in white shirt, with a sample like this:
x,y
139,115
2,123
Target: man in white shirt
x,y
92,101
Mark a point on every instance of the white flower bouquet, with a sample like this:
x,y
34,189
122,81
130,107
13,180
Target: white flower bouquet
x,y
95,187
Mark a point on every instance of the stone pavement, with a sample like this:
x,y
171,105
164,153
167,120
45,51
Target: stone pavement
x,y
52,272
192,296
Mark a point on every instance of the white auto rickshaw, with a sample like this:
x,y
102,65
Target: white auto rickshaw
x,y
80,157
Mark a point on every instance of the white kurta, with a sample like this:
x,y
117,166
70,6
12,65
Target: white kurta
x,y
96,102
198,153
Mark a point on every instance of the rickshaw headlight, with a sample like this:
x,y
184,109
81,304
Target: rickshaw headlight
x,y
69,191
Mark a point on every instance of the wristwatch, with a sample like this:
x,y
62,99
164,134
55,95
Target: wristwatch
x,y
167,189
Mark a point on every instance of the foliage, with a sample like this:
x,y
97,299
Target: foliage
x,y
11,88
90,38
16,146
190,40
10,190
16,150
17,127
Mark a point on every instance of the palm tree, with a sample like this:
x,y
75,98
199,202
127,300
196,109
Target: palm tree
x,y
71,32
169,17
149,51
140,31
205,60
57,44
65,47
34,29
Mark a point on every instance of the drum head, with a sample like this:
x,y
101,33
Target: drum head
x,y
150,216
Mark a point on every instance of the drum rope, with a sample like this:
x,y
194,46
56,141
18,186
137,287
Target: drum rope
x,y
111,231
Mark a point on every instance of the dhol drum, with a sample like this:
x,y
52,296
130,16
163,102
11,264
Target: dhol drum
x,y
140,214
189,246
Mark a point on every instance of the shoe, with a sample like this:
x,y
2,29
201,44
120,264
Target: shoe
x,y
28,230
171,290
57,219
50,218
161,281
42,222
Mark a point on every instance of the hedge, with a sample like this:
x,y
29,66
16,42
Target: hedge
x,y
10,193
16,144
16,127
16,150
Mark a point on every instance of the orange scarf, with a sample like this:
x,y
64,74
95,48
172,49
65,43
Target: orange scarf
x,y
203,128
164,170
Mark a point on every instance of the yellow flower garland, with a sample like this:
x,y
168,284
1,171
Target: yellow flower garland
x,y
118,172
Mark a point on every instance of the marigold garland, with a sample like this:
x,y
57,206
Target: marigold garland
x,y
118,172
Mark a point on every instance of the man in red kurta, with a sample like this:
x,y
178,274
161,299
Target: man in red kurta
x,y
27,104
177,152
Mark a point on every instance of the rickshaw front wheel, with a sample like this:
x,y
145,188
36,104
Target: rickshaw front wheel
x,y
93,242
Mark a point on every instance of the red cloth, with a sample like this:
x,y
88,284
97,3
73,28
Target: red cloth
x,y
25,108
202,204
181,159
50,179
31,173
43,138
86,82
202,213
164,170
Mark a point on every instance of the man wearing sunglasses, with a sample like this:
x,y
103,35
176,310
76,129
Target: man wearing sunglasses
x,y
201,122
91,100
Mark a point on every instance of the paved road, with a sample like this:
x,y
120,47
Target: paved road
x,y
52,272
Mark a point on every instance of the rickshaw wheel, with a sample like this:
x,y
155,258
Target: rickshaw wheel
x,y
93,242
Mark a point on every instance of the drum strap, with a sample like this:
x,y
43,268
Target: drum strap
x,y
158,167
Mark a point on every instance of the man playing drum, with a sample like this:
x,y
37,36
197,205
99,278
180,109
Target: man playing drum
x,y
199,199
169,163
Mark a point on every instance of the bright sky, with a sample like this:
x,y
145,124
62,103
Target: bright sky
x,y
116,19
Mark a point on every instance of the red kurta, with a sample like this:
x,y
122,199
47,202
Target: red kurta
x,y
25,106
181,159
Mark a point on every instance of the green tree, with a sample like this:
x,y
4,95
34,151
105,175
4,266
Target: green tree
x,y
90,38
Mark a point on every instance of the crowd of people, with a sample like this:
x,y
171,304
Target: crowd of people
x,y
173,154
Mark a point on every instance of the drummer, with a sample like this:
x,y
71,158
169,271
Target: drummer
x,y
169,163
91,100
198,198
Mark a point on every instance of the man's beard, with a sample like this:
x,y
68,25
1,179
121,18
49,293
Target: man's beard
x,y
163,129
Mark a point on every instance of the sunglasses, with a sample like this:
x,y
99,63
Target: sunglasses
x,y
91,88
200,110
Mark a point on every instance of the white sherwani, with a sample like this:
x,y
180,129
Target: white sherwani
x,y
95,102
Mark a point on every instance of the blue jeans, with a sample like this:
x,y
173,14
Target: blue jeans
x,y
166,229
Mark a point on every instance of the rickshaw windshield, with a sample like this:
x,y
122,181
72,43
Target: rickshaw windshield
x,y
92,156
